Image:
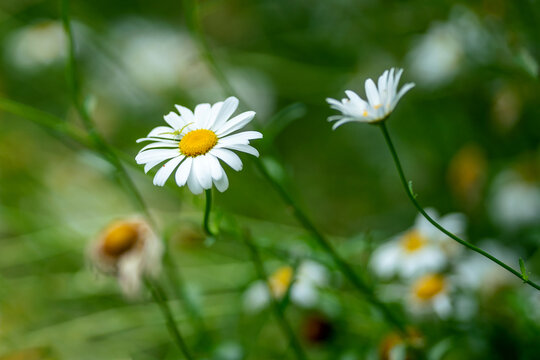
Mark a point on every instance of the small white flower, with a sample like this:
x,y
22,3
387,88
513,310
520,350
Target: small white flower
x,y
382,100
37,46
430,293
129,250
514,201
421,249
304,292
476,272
194,142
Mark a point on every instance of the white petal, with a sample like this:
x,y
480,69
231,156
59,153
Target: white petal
x,y
215,167
228,157
223,183
174,120
159,144
241,138
403,91
166,170
183,172
202,115
161,131
187,114
372,93
240,147
236,123
168,140
156,154
227,109
193,183
256,296
201,168
216,108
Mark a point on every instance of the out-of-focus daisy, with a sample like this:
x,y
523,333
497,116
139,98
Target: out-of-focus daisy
x,y
381,100
430,294
448,47
421,249
129,250
467,172
477,273
515,202
394,347
37,45
309,277
194,143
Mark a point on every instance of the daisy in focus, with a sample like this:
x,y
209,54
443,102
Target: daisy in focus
x,y
194,143
305,284
381,100
129,250
421,249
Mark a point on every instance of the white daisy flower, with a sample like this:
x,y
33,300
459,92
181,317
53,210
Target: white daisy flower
x,y
430,293
309,277
194,142
382,99
421,249
129,250
514,201
488,277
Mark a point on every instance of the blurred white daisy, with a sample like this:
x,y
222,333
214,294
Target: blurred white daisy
x,y
37,46
129,250
194,142
382,99
478,273
421,249
304,292
514,201
430,294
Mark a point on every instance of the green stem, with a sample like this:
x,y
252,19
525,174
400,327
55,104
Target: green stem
x,y
207,210
97,139
344,267
161,299
278,310
421,210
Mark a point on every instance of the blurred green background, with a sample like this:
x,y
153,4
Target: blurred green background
x,y
468,135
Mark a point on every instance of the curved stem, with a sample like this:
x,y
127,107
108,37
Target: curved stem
x,y
161,299
343,266
279,311
421,210
207,210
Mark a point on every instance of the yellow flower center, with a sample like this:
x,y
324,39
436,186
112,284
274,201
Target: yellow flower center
x,y
198,142
281,280
413,241
428,286
120,238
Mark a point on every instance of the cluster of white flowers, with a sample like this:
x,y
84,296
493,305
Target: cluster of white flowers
x,y
304,285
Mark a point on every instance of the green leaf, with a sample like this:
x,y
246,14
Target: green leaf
x,y
523,269
411,190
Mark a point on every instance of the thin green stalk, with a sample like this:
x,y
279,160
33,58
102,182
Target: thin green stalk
x,y
161,299
95,136
343,266
421,210
207,210
278,310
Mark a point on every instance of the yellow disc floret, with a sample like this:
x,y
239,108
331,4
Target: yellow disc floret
x,y
198,142
428,286
280,281
413,241
119,238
